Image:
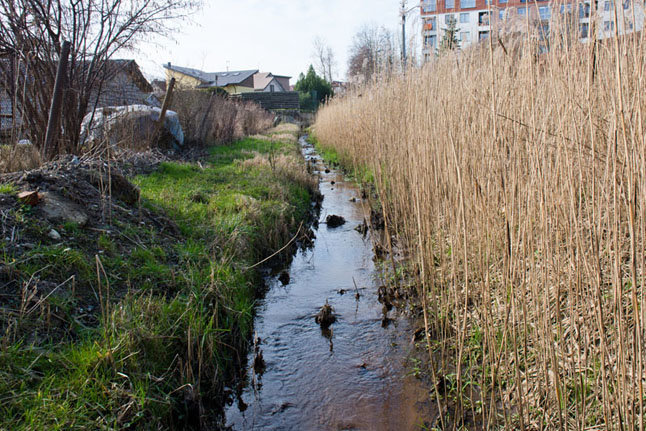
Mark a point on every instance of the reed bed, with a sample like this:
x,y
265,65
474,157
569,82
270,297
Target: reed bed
x,y
515,178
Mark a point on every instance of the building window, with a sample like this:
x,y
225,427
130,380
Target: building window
x,y
429,6
464,18
584,10
608,26
448,18
626,4
502,1
430,23
583,30
449,4
522,11
483,18
544,12
272,88
467,4
482,35
465,37
606,6
430,41
501,15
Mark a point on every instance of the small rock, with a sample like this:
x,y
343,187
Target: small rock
x,y
353,200
284,278
334,221
325,316
327,171
58,209
54,235
333,182
342,292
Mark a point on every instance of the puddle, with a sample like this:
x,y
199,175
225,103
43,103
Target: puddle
x,y
350,377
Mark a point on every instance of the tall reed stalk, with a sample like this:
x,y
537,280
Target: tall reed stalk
x,y
514,175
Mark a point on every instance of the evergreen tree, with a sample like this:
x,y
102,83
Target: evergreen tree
x,y
450,40
313,90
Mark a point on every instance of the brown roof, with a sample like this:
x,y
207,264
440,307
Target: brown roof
x,y
261,80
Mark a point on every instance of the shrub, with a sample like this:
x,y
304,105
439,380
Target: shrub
x,y
212,118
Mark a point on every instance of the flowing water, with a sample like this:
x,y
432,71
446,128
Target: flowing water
x,y
352,377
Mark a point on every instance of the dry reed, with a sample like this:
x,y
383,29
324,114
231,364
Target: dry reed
x,y
517,183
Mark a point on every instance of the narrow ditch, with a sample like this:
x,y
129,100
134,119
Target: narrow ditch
x,y
351,376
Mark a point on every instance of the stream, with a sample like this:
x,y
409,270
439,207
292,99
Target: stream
x,y
351,377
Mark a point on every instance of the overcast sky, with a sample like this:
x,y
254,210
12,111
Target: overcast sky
x,y
271,35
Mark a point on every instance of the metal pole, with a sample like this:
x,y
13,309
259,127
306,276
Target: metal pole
x,y
57,99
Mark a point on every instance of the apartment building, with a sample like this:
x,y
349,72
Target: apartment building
x,y
474,24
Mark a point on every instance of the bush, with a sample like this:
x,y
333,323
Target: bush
x,y
210,117
313,90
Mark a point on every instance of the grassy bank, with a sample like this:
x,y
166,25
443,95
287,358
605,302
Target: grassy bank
x,y
140,323
516,182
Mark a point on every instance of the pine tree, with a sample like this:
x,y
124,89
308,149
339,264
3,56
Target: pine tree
x,y
450,40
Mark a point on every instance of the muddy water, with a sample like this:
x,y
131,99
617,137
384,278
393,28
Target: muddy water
x,y
353,377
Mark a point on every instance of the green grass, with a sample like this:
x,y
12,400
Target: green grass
x,y
361,174
180,309
7,189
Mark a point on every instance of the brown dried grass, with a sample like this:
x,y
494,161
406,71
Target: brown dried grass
x,y
14,158
209,119
517,182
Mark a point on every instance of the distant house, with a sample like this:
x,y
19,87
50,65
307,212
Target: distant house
x,y
124,84
339,88
270,83
233,82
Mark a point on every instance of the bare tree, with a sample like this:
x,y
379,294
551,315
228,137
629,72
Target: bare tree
x,y
324,59
373,54
31,36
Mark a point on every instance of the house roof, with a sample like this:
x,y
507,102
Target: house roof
x,y
262,80
211,79
132,69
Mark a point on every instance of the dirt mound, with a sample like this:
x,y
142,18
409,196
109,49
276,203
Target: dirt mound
x,y
69,208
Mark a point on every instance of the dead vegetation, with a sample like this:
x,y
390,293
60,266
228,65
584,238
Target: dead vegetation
x,y
516,183
212,118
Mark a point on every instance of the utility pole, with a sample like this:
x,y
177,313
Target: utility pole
x,y
403,12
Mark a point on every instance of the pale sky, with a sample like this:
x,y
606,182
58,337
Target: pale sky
x,y
271,35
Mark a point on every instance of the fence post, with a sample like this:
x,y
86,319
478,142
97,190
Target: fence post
x,y
167,97
57,99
